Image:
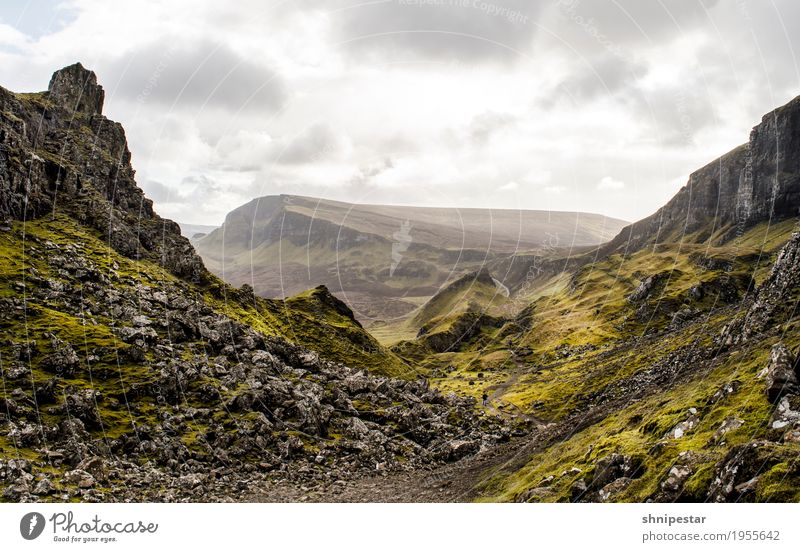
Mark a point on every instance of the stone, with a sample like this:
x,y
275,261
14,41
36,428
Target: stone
x,y
786,413
728,424
614,488
675,479
648,286
779,375
687,425
458,449
79,478
95,466
578,490
614,466
44,487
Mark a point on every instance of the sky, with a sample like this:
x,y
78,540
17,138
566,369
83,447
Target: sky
x,y
603,106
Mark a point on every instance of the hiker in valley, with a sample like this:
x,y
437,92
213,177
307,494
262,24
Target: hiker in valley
x,y
485,399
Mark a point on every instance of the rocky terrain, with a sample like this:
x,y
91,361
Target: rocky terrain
x,y
131,373
660,366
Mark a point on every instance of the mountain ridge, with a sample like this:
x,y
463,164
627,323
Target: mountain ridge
x,y
384,260
754,182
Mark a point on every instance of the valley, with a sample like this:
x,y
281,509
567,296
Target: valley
x,y
311,350
382,260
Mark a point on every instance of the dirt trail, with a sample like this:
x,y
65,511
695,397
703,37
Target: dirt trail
x,y
508,409
457,482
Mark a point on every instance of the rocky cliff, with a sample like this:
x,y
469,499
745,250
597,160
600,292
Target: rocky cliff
x,y
755,182
58,153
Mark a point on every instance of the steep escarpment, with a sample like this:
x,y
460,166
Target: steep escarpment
x,y
755,182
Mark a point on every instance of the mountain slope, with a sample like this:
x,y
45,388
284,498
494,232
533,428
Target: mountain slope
x,y
755,182
129,372
665,363
382,260
477,291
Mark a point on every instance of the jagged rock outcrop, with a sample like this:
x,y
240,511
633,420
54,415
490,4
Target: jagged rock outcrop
x,y
58,153
779,375
76,89
648,286
772,300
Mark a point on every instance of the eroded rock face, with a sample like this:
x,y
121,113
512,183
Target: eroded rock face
x,y
771,183
779,375
772,301
646,288
736,476
757,181
59,154
76,89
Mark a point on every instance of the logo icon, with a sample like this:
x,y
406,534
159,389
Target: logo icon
x,y
31,525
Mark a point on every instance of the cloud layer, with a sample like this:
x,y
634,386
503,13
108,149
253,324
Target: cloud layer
x,y
601,106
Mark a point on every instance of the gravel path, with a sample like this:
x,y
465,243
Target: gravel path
x,y
457,482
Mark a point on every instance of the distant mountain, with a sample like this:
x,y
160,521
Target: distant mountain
x,y
384,260
196,231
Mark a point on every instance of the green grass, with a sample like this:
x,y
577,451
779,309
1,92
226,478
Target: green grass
x,y
637,428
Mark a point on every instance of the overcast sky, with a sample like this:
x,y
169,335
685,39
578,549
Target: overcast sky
x,y
591,105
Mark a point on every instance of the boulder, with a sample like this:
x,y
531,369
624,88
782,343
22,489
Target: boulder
x,y
613,466
79,478
779,375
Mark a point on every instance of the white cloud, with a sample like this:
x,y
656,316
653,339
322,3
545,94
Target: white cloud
x,y
300,97
609,183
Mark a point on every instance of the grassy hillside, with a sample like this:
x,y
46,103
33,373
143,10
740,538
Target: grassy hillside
x,y
622,352
312,319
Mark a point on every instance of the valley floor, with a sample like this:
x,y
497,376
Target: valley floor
x,y
457,482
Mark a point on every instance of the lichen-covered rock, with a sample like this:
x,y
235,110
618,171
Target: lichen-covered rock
x,y
779,375
736,476
648,286
614,466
